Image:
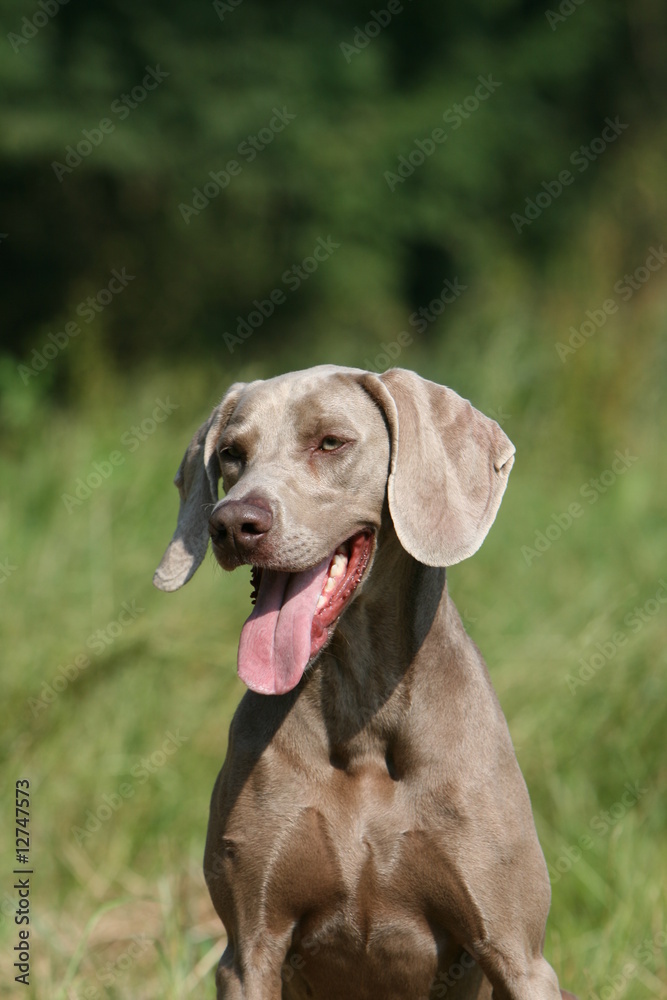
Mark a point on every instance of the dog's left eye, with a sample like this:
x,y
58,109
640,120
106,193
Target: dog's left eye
x,y
231,453
331,443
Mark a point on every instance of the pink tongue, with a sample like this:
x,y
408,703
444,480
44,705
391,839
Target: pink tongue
x,y
274,647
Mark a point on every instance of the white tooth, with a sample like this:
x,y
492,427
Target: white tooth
x,y
321,601
329,585
337,569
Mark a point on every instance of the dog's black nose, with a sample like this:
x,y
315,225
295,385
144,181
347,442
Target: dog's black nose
x,y
240,524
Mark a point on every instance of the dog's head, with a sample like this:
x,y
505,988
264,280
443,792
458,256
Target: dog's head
x,y
306,461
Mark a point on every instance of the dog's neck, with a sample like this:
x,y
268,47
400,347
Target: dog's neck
x,y
363,680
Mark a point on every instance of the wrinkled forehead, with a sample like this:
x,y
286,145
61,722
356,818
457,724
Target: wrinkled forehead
x,y
313,402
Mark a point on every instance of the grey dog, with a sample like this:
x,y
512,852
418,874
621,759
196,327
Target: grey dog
x,y
370,832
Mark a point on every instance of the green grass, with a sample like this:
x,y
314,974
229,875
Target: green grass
x,y
124,913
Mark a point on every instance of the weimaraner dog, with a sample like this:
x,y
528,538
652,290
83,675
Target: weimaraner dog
x,y
370,833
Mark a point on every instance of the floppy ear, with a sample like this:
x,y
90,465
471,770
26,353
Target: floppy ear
x,y
448,470
197,482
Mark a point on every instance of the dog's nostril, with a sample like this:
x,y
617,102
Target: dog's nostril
x,y
390,761
240,521
338,760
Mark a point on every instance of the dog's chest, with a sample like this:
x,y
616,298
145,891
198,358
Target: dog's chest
x,y
350,831
369,923
344,858
368,815
356,835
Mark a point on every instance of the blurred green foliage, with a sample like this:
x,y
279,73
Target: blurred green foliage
x,y
356,114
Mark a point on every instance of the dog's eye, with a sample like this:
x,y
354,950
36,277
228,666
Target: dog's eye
x,y
331,443
231,453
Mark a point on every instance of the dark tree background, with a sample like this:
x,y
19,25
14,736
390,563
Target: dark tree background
x,y
360,103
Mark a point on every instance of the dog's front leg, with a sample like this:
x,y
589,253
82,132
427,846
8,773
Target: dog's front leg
x,y
522,979
255,974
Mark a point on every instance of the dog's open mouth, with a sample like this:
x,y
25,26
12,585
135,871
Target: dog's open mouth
x,y
294,615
